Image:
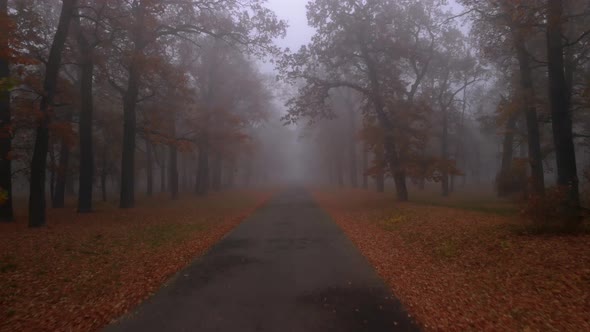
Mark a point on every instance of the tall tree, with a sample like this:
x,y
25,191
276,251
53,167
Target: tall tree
x,y
6,209
37,211
561,113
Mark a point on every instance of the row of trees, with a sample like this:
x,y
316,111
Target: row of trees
x,y
99,87
425,86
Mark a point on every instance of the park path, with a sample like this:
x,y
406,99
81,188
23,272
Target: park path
x,y
286,268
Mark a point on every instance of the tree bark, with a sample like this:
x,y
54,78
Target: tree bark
x,y
173,172
163,171
37,217
59,193
86,167
445,153
6,208
127,199
202,183
216,174
149,168
507,154
365,167
390,144
352,147
565,153
532,122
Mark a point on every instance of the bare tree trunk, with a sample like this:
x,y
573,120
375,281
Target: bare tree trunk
x,y
352,147
127,199
365,167
104,174
507,155
6,208
532,122
445,153
339,169
86,176
216,174
202,183
173,169
565,153
163,171
59,192
39,160
149,168
380,177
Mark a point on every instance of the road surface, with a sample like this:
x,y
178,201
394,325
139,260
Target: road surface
x,y
286,268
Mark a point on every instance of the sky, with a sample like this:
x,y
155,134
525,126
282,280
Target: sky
x,y
294,12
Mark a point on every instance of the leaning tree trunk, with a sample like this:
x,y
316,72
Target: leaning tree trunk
x,y
39,160
532,122
561,115
86,167
6,209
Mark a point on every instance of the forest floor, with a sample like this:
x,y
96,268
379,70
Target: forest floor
x,y
460,269
82,271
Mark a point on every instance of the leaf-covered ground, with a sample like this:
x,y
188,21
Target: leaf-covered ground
x,y
82,271
458,270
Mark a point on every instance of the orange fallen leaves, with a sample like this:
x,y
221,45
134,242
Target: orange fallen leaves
x,y
458,270
82,271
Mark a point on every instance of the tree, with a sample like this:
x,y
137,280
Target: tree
x,y
6,209
560,101
39,160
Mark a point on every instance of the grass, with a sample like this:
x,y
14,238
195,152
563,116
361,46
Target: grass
x,y
470,200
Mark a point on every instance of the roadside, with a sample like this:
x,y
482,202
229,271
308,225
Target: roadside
x,y
459,270
82,271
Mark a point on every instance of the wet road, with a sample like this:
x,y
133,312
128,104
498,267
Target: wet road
x,y
286,268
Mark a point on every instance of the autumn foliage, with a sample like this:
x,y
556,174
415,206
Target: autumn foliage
x,y
457,270
83,271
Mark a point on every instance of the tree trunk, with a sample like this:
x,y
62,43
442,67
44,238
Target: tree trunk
x,y
391,153
202,183
216,173
127,199
86,170
6,208
339,169
39,160
173,169
59,192
163,171
565,153
380,177
352,147
149,168
532,122
445,153
365,167
507,155
103,175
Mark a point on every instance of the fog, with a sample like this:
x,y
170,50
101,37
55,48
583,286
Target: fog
x,y
384,95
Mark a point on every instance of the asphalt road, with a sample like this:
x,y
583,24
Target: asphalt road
x,y
286,268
